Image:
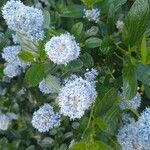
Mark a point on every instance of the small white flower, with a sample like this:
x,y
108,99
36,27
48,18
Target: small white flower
x,y
136,135
12,70
23,19
5,121
45,118
75,97
91,75
119,25
45,88
134,103
15,39
92,14
14,65
10,53
62,49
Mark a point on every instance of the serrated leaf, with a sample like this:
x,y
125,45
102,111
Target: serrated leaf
x,y
35,74
93,42
136,22
129,81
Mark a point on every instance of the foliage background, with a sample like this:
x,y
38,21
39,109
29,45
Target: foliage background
x,y
121,58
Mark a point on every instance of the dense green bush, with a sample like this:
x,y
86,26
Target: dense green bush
x,y
116,44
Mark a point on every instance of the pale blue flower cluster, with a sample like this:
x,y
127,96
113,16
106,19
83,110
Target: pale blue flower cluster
x,y
45,118
134,103
5,121
92,14
24,19
90,75
136,135
119,25
14,65
126,118
46,88
62,49
76,97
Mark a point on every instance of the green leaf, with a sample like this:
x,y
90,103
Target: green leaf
x,y
106,102
111,119
72,11
101,124
46,19
87,60
118,3
129,80
136,22
92,31
74,65
147,90
99,145
78,146
77,29
144,50
93,42
111,19
27,56
50,80
90,3
35,74
143,74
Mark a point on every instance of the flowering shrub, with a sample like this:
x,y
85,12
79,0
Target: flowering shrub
x,y
75,75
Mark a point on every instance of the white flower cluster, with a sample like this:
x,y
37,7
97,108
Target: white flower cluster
x,y
24,19
126,118
5,121
45,88
92,14
45,118
15,39
62,49
75,97
14,65
90,75
137,134
134,103
119,25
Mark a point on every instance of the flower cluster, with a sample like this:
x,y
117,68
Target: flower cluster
x,y
137,134
134,103
45,118
92,14
75,97
14,65
62,49
45,87
90,75
24,19
119,25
